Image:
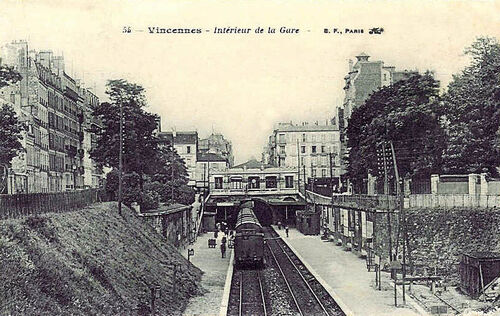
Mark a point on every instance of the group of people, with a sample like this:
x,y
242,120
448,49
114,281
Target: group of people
x,y
223,228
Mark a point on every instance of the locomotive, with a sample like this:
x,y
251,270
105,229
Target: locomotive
x,y
249,240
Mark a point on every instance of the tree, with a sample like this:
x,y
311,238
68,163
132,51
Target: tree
x,y
173,176
472,103
8,76
10,126
408,113
139,142
150,169
10,134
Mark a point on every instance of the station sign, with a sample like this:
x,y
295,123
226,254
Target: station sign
x,y
225,204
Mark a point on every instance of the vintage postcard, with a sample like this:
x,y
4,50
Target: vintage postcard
x,y
249,157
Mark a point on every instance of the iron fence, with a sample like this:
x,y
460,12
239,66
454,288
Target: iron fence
x,y
28,204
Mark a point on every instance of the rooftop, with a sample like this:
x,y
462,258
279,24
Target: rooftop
x,y
166,209
306,128
204,156
253,164
180,137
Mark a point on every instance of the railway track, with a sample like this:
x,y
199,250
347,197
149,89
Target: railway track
x,y
247,294
308,294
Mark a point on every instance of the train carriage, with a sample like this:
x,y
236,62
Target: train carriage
x,y
248,240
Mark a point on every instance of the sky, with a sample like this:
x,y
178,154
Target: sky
x,y
241,85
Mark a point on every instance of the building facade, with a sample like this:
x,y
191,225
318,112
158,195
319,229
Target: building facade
x,y
207,164
312,148
217,144
51,103
186,145
364,77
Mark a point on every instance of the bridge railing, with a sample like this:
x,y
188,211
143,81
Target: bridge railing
x,y
366,201
245,188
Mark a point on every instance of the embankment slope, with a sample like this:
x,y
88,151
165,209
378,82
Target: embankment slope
x,y
91,261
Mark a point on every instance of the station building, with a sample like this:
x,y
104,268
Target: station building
x,y
274,190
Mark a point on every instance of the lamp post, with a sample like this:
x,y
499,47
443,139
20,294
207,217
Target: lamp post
x,y
120,163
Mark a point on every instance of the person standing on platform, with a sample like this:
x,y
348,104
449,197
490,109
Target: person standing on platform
x,y
223,249
286,230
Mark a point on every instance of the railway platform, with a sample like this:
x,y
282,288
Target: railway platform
x,y
346,276
215,270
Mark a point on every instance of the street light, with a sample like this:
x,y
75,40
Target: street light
x,y
120,179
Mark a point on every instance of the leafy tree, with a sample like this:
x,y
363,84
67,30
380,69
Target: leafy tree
x,y
139,143
8,76
472,104
173,176
408,114
10,134
150,169
10,126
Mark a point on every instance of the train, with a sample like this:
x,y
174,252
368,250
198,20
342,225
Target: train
x,y
248,240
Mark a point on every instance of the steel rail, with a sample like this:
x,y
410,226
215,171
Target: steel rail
x,y
304,279
286,281
241,295
262,294
261,290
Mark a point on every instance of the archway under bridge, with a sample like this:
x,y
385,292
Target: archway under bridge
x,y
268,209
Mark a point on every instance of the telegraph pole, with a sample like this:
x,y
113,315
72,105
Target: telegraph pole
x,y
403,216
120,163
305,178
298,165
332,157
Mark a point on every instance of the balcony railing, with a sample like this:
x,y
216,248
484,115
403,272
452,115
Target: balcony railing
x,y
230,188
366,201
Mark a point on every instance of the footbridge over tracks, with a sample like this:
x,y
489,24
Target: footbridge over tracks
x,y
274,191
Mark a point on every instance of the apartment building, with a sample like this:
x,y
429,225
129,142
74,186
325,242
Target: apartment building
x,y
51,103
186,145
364,77
313,148
217,144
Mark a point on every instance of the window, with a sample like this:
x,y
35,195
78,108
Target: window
x,y
288,182
271,183
253,182
323,173
385,77
281,138
282,149
303,149
188,149
313,149
323,149
218,182
304,137
236,183
281,162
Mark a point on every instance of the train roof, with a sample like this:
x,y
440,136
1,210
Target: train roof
x,y
247,216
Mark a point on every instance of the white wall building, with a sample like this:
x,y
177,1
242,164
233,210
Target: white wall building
x,y
313,148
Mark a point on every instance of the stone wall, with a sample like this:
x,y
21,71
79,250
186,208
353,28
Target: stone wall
x,y
437,237
381,234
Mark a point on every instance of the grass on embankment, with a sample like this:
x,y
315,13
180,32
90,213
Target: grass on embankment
x,y
91,261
